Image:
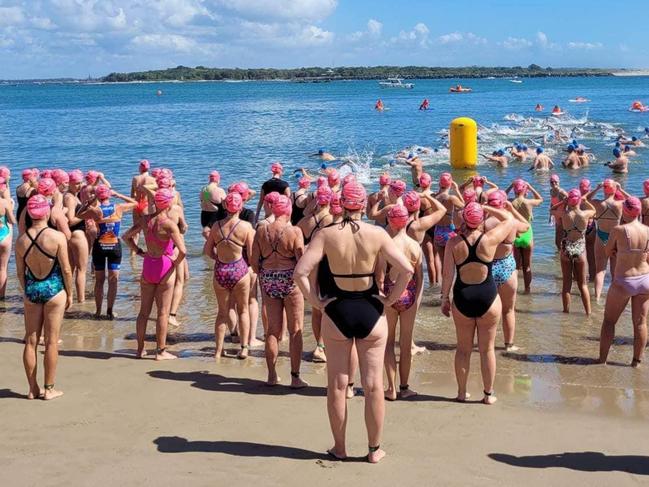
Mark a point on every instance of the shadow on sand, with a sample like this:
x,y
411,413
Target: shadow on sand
x,y
550,358
9,394
588,461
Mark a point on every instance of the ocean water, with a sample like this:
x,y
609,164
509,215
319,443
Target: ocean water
x,y
240,128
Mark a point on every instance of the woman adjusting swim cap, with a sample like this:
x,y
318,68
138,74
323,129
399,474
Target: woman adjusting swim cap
x,y
412,201
398,187
384,179
574,197
497,199
425,181
398,217
469,196
445,180
473,215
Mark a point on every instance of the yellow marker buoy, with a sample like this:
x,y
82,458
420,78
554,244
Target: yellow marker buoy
x,y
463,138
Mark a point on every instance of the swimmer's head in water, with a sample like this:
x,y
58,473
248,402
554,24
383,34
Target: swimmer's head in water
x,y
632,207
335,207
398,217
609,187
46,187
102,192
524,148
59,176
282,206
445,180
500,152
494,153
616,152
627,148
497,199
425,180
321,151
473,215
333,178
144,165
554,179
38,207
539,150
324,165
574,197
469,196
323,195
634,138
233,202
397,187
384,179
277,169
215,177
271,198
354,197
304,183
91,176
519,186
571,149
617,144
163,198
412,201
411,155
584,186
75,176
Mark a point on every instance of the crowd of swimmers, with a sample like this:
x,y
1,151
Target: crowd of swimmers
x,y
358,260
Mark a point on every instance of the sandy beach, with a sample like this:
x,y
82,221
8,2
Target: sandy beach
x,y
127,422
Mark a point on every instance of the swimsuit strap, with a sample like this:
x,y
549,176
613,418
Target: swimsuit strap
x,y
317,226
274,243
227,238
608,207
628,242
34,243
409,225
473,252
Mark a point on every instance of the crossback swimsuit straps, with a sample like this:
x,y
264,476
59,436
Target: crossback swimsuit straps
x,y
634,285
355,313
601,234
308,238
228,274
155,268
276,284
574,248
474,300
37,290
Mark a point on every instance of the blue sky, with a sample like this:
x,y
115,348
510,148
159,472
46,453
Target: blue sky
x,y
55,38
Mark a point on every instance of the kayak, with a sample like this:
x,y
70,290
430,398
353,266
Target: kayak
x,y
460,90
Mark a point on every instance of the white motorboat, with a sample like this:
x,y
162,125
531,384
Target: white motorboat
x,y
396,83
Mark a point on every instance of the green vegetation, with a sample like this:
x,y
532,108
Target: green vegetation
x,y
201,73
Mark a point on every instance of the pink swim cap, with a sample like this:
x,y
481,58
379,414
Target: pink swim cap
x,y
282,206
271,198
398,187
276,168
163,198
469,195
584,186
46,187
333,178
619,196
233,202
384,179
215,177
5,172
645,186
103,192
632,207
412,201
144,165
165,173
60,177
574,197
323,195
335,208
473,215
241,188
92,176
47,173
354,196
304,183
349,179
478,181
28,174
398,217
554,178
76,176
163,182
321,180
497,199
519,186
609,187
425,180
445,180
38,207
155,172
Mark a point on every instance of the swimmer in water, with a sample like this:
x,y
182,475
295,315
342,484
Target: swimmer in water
x,y
324,155
628,152
621,163
574,221
379,107
584,158
541,162
497,156
353,311
424,104
416,167
45,276
572,161
629,242
476,305
633,141
519,152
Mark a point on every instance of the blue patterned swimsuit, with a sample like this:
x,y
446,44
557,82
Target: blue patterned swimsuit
x,y
40,291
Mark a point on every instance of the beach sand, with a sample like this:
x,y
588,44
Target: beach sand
x,y
193,421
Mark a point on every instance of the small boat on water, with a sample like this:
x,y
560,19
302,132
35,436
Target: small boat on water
x,y
638,107
515,81
396,83
459,89
579,99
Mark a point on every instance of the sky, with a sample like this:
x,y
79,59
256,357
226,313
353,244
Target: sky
x,y
81,38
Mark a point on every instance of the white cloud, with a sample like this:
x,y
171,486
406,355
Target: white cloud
x,y
459,37
516,43
11,16
585,45
373,32
544,42
418,35
281,9
165,42
374,27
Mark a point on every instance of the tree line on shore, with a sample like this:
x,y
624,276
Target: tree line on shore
x,y
201,73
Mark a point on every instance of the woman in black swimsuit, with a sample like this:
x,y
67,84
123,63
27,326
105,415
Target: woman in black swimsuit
x,y
78,245
476,304
353,311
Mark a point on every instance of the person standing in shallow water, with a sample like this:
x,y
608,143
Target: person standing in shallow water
x,y
353,311
45,275
630,243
